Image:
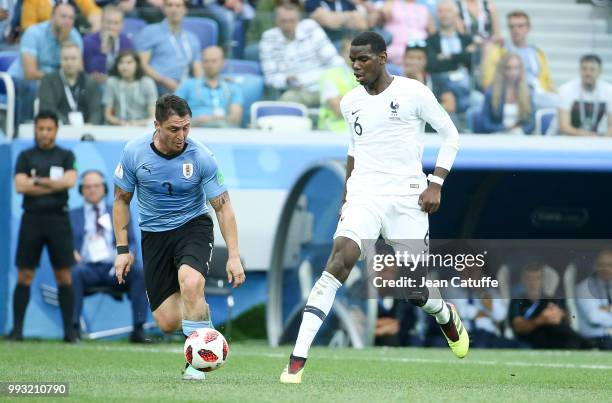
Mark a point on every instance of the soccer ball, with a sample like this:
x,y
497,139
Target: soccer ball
x,y
206,349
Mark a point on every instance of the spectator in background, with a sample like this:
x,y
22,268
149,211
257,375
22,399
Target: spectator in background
x,y
334,84
406,21
534,60
69,92
7,11
43,174
37,11
229,14
40,54
540,320
482,311
101,48
585,104
213,101
338,17
129,95
294,54
94,252
479,19
508,103
449,55
262,21
415,67
167,51
594,303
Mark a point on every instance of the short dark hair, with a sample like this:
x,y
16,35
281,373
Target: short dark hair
x,y
519,14
591,57
114,71
376,42
46,114
168,105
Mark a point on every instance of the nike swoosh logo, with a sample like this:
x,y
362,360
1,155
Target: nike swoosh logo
x,y
354,112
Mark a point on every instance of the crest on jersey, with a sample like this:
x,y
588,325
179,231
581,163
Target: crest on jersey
x,y
187,170
394,105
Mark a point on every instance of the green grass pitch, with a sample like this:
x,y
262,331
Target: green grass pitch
x,y
117,371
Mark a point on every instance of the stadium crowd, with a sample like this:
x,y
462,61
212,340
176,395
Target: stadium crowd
x,y
105,62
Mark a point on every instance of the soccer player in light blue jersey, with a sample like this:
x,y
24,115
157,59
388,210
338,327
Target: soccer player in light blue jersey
x,y
174,177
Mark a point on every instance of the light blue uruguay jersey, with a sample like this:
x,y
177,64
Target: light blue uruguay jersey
x,y
170,190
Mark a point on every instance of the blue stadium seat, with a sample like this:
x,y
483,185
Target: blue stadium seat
x,y
6,58
252,87
276,108
205,29
236,66
132,26
544,119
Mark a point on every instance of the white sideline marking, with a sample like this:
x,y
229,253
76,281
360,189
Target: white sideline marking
x,y
174,350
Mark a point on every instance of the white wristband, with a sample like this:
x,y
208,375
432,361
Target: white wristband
x,y
435,179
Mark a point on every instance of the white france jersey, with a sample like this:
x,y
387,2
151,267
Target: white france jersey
x,y
387,136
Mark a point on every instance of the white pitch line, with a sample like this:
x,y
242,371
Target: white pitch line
x,y
468,361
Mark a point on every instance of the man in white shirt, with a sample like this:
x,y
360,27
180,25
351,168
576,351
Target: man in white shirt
x,y
294,54
386,191
585,104
594,302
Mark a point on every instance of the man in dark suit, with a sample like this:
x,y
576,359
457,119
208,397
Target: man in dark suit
x,y
95,253
70,92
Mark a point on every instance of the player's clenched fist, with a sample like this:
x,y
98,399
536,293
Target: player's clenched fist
x,y
123,262
430,199
235,272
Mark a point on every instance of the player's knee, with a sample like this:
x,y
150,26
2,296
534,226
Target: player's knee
x,y
192,287
25,276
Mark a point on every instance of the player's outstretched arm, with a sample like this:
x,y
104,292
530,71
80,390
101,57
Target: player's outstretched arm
x,y
121,220
229,230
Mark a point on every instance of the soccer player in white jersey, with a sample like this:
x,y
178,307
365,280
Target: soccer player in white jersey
x,y
384,188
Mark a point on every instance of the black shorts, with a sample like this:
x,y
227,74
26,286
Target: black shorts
x,y
164,252
38,230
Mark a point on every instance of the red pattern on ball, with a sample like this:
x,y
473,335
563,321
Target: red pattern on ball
x,y
210,336
189,354
193,335
207,355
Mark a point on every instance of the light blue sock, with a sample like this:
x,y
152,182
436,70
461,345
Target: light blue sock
x,y
189,325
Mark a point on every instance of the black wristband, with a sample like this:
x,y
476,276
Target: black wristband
x,y
123,249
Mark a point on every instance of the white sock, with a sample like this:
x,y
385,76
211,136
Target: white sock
x,y
438,309
319,304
